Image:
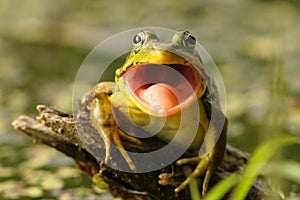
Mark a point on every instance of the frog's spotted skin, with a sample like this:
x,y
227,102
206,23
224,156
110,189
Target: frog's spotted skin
x,y
154,74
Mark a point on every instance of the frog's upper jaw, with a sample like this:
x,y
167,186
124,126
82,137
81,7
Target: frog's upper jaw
x,y
163,89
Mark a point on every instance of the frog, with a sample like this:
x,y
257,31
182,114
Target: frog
x,y
142,92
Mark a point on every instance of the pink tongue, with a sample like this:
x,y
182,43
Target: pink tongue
x,y
159,94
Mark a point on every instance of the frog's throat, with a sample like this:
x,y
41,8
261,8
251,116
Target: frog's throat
x,y
183,80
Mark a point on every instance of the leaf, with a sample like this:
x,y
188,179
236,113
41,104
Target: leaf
x,y
259,158
219,190
195,195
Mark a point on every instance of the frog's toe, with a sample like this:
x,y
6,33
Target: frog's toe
x,y
129,138
117,141
188,161
203,167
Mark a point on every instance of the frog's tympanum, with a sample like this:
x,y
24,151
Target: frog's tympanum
x,y
159,80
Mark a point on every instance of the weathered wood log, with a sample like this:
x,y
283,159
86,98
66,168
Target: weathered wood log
x,y
61,131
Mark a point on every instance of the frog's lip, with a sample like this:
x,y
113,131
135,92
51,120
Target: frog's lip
x,y
184,81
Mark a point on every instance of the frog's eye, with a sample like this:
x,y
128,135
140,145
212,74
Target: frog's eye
x,y
189,41
139,39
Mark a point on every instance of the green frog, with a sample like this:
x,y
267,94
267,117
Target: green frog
x,y
157,82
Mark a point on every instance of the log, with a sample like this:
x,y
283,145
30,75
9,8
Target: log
x,y
64,132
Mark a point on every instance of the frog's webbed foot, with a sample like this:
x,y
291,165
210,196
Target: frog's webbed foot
x,y
204,166
115,139
207,163
109,131
102,119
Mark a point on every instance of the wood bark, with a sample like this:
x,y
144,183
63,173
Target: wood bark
x,y
64,132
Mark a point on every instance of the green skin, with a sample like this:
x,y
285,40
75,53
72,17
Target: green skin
x,y
148,50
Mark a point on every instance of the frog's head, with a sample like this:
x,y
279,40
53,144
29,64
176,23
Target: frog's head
x,y
162,78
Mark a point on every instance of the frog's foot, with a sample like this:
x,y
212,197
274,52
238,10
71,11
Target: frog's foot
x,y
113,135
203,167
102,119
115,139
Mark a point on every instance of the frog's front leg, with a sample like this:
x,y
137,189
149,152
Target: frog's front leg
x,y
206,164
102,119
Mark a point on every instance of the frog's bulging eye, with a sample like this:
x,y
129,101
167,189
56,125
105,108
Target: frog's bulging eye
x,y
139,39
143,38
189,41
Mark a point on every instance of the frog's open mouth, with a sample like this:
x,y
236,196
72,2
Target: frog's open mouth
x,y
163,90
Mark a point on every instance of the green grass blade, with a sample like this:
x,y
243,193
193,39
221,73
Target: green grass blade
x,y
219,190
195,195
259,158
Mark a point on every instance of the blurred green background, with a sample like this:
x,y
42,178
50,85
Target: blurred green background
x,y
255,44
